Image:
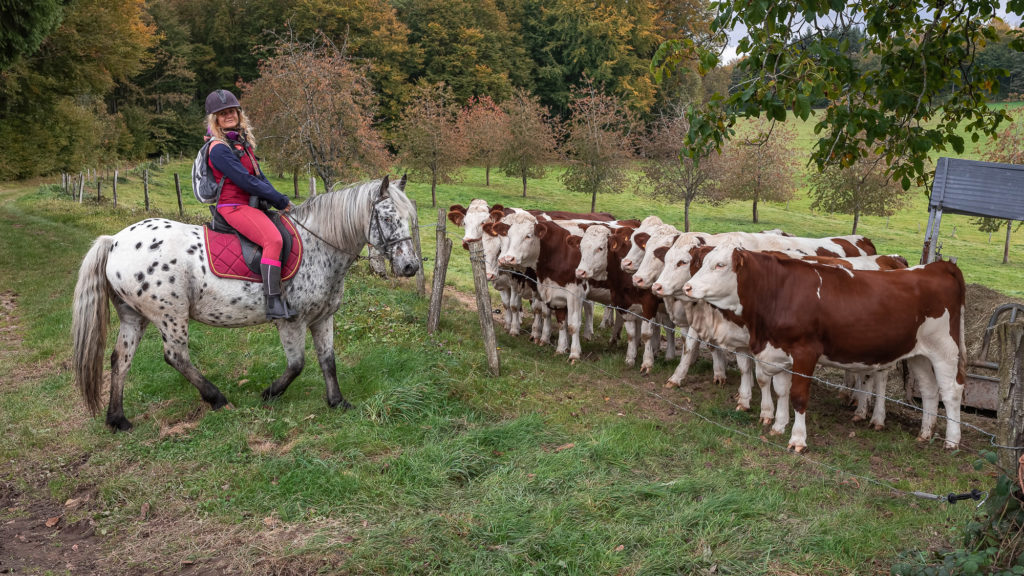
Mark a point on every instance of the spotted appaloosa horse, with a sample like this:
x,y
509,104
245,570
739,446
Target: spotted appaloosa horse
x,y
156,272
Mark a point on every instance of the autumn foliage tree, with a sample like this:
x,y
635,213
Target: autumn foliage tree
x,y
666,172
759,168
599,143
312,106
429,140
532,141
864,188
485,126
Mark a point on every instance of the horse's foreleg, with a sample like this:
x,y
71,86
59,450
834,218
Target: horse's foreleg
x,y
175,336
133,326
293,340
323,341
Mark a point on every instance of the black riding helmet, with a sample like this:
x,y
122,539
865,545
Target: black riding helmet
x,y
219,100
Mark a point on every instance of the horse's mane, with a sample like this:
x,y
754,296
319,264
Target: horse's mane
x,y
344,214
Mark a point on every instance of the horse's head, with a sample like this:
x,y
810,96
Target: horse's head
x,y
389,226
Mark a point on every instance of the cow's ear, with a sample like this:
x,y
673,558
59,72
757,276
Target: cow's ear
x,y
641,239
634,224
539,231
498,207
500,228
660,253
739,256
488,228
574,241
457,214
701,241
585,226
613,243
495,215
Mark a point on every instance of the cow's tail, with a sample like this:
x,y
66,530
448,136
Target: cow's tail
x,y
89,319
961,365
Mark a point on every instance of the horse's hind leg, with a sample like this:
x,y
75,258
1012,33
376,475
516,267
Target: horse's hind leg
x,y
293,340
175,336
133,326
323,340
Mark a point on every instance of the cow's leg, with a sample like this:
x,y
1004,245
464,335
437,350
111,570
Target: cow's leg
x,y
133,326
607,318
950,391
861,387
647,331
718,362
781,382
563,335
515,303
587,320
576,309
764,383
876,382
506,304
293,340
670,335
799,394
618,323
323,342
631,338
654,336
921,369
746,391
689,354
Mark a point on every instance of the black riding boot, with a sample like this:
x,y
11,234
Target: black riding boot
x,y
276,306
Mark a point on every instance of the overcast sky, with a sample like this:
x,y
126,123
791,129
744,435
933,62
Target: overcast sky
x,y
734,37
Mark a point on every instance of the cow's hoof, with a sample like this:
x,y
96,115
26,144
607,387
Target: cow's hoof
x,y
766,421
645,370
796,449
671,384
719,380
572,361
774,432
121,424
878,427
923,439
858,418
950,446
742,408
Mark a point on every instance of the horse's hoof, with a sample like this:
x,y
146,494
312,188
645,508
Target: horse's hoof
x,y
121,424
339,403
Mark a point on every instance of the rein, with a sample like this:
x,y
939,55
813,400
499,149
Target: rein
x,y
376,219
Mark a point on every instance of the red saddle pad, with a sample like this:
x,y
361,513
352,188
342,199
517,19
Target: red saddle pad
x,y
224,255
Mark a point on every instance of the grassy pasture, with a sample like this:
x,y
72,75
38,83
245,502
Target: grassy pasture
x,y
441,468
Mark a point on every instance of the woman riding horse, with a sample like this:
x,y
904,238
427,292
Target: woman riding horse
x,y
234,165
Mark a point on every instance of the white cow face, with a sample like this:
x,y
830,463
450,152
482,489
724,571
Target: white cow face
x,y
651,265
594,253
675,272
492,243
523,246
716,282
477,213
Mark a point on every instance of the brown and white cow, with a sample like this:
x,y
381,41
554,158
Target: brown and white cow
x,y
636,248
544,247
799,314
601,252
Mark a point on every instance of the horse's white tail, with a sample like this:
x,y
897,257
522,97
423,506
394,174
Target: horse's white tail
x,y
89,319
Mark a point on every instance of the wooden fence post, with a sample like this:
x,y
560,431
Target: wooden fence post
x,y
115,188
98,184
1011,393
81,186
145,187
421,282
312,186
483,306
442,254
177,188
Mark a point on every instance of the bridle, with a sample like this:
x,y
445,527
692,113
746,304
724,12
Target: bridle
x,y
374,219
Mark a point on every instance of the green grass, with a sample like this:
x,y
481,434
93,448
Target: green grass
x,y
440,467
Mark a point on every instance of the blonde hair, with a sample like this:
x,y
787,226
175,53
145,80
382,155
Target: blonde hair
x,y
244,127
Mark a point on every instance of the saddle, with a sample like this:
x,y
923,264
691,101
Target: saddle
x,y
231,255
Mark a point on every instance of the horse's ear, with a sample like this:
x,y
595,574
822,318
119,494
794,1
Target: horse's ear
x,y
385,183
401,183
